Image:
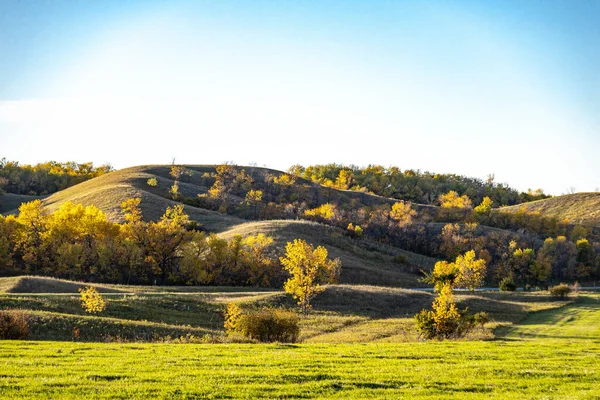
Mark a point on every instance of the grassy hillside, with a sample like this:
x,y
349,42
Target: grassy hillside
x,y
10,202
578,208
343,313
364,261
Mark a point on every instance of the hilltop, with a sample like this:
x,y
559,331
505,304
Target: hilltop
x,y
578,208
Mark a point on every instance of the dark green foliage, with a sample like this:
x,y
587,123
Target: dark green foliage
x,y
561,291
450,328
269,325
507,285
416,186
14,325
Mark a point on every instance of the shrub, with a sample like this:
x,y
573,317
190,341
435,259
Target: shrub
x,y
401,259
560,291
152,182
91,301
13,325
266,325
507,285
481,318
425,324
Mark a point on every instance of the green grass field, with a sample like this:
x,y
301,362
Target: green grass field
x,y
561,367
359,342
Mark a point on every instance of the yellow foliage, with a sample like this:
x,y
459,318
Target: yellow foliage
x,y
284,180
471,271
152,182
232,316
131,209
91,301
254,196
403,213
453,200
325,211
309,268
485,207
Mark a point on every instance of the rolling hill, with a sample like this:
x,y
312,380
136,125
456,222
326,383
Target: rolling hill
x,y
364,261
578,208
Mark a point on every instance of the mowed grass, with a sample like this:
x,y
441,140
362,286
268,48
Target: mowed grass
x,y
459,370
580,320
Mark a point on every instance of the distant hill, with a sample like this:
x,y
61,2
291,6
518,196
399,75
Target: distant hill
x,y
578,208
364,261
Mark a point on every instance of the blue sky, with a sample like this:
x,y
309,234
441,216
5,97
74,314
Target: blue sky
x,y
469,87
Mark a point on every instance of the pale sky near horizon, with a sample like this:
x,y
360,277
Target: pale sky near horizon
x,y
469,87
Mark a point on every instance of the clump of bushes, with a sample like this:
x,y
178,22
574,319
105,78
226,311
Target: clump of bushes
x,y
13,325
507,285
561,291
431,325
265,325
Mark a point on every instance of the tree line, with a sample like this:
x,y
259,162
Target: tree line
x,y
45,178
412,185
79,243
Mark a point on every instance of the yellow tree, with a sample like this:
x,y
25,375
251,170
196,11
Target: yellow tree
x,y
260,267
402,213
471,271
253,197
325,212
92,301
344,179
309,269
453,200
32,219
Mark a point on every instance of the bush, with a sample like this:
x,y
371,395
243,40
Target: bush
x,y
507,285
560,291
13,325
266,325
481,318
91,301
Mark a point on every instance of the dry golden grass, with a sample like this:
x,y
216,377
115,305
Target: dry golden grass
x,y
578,208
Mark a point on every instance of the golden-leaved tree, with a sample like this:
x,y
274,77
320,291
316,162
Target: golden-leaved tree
x,y
309,268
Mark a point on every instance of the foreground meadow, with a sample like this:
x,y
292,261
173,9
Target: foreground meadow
x,y
552,354
548,369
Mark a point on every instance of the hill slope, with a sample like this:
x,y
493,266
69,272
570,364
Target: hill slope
x,y
578,208
364,261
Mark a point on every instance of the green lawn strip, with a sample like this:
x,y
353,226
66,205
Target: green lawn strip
x,y
466,370
46,325
577,320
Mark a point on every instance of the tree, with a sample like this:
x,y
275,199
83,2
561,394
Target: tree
x,y
309,269
325,212
402,213
471,271
254,197
453,200
92,301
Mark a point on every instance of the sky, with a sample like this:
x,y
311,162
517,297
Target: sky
x,y
510,88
